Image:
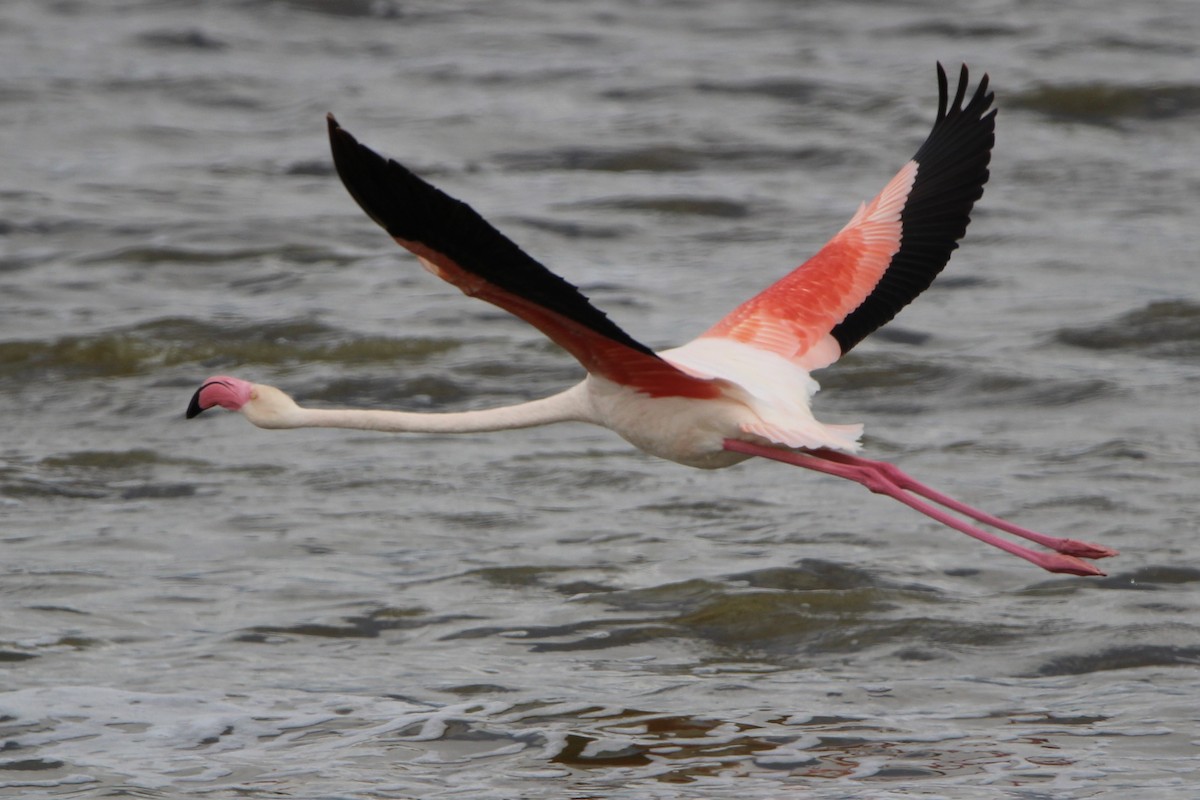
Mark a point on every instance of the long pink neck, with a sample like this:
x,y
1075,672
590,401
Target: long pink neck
x,y
569,406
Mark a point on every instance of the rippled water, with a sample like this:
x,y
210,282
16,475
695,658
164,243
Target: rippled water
x,y
207,609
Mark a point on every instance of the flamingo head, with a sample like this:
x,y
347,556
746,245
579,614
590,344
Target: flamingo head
x,y
263,405
223,391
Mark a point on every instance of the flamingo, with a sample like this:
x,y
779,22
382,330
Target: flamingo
x,y
743,387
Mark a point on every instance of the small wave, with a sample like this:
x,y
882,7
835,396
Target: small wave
x,y
667,158
681,205
1164,329
778,615
67,736
97,474
872,381
1102,103
1123,657
147,347
181,38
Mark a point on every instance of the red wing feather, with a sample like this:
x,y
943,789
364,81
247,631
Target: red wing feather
x,y
461,247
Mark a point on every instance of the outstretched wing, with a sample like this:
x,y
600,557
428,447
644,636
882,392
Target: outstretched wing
x,y
888,253
456,244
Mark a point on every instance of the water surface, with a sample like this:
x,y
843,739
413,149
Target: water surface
x,y
206,609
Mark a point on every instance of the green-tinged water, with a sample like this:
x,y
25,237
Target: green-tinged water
x,y
205,609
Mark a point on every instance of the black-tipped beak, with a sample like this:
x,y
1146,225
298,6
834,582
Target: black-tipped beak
x,y
194,408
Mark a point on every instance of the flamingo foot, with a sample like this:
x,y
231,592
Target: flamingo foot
x,y
1074,547
1069,565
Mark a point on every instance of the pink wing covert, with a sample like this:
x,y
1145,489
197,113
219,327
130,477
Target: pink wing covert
x,y
795,315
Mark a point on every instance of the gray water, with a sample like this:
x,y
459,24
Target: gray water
x,y
207,609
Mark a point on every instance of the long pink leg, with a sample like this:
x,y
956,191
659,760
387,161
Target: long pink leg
x,y
901,479
884,478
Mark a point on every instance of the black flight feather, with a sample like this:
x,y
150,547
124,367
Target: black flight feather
x,y
411,209
952,167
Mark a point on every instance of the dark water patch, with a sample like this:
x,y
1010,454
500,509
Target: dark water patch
x,y
76,642
104,355
94,475
158,491
484,521
28,488
793,89
418,392
959,282
17,94
157,255
583,478
587,751
1149,578
956,29
373,9
1082,720
1098,504
681,205
366,626
668,158
627,635
1123,657
582,635
688,748
683,748
114,460
666,597
181,38
537,353
1051,394
809,575
1143,44
897,334
696,509
997,389
785,613
884,371
580,588
879,375
28,481
574,229
57,609
499,78
642,92
148,347
31,765
474,689
779,620
314,168
260,523
517,576
659,158
1163,329
748,234
901,773
226,93
97,474
1106,104
15,657
1111,450
783,625
814,575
